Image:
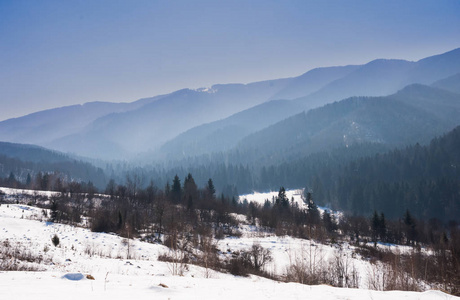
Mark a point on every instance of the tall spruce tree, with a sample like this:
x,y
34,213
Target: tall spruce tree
x,y
176,190
313,214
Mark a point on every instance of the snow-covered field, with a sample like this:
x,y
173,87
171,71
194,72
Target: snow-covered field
x,y
270,196
21,192
295,196
63,269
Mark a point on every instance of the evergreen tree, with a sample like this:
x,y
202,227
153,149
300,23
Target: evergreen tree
x,y
167,189
313,214
45,182
410,228
176,190
382,231
38,180
12,180
54,209
110,188
190,189
282,199
28,180
210,188
375,224
329,222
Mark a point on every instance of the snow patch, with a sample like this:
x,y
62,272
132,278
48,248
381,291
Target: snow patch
x,y
208,90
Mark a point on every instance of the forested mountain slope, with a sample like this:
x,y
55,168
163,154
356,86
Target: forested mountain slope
x,y
423,179
324,85
18,161
417,113
224,134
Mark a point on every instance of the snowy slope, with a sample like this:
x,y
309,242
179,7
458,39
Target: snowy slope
x,y
260,198
293,195
21,192
104,256
51,284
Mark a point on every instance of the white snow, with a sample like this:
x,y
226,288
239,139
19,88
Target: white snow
x,y
295,195
49,285
208,90
104,256
16,192
260,198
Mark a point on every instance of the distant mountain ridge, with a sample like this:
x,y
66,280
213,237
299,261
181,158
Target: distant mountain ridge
x,y
377,78
153,124
451,83
232,111
45,126
383,77
312,81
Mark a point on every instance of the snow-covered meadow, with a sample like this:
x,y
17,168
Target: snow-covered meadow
x,y
260,198
294,196
124,268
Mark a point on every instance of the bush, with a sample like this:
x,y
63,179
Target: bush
x,y
251,261
236,266
176,261
101,222
55,240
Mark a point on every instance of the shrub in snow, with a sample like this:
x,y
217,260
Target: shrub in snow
x,y
252,261
55,240
176,261
236,266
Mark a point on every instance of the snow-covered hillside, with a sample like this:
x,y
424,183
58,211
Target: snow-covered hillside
x,y
260,198
294,196
21,192
126,269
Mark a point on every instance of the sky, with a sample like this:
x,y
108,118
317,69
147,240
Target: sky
x,y
58,53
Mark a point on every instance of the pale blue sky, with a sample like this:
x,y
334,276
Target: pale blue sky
x,y
56,53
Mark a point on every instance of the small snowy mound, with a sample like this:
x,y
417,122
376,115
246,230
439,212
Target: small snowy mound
x,y
74,276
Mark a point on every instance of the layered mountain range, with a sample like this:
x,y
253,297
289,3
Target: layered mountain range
x,y
392,102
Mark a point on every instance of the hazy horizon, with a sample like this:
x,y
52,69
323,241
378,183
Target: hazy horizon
x,y
56,53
